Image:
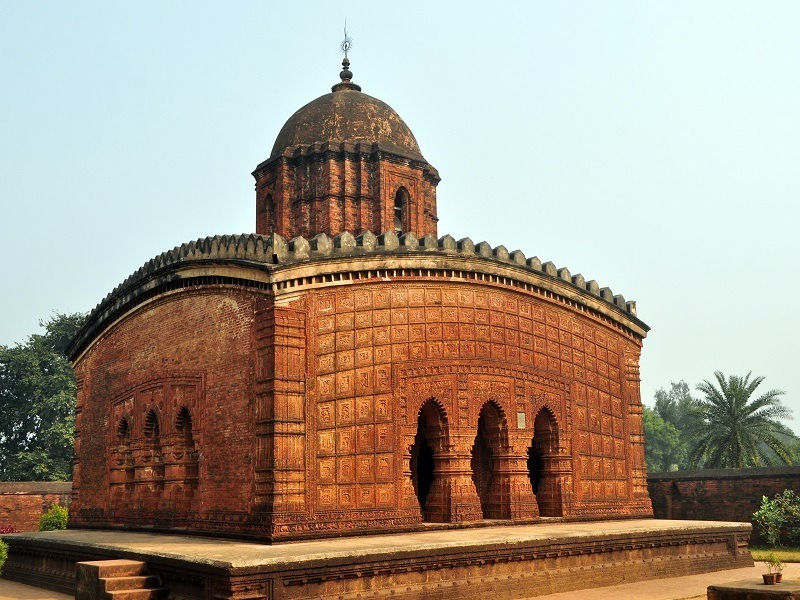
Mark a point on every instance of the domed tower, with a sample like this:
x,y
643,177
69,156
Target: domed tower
x,y
345,162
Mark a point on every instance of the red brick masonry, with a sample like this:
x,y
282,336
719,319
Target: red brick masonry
x,y
720,494
22,502
281,390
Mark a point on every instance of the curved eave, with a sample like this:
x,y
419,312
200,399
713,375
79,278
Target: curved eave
x,y
270,262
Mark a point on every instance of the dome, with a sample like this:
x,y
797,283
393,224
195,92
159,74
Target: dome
x,y
348,115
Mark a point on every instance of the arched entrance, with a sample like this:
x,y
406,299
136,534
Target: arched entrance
x,y
490,440
542,457
428,442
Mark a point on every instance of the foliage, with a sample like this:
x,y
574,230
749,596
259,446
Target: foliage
x,y
3,554
774,564
664,450
675,405
667,445
8,529
733,430
779,518
54,519
37,393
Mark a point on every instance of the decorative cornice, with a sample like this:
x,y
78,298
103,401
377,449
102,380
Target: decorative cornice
x,y
345,150
270,254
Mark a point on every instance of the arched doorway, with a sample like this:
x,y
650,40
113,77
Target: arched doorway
x,y
542,456
428,441
490,441
535,468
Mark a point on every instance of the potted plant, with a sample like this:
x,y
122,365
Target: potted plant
x,y
777,568
774,567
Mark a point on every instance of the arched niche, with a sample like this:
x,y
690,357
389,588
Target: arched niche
x,y
122,465
153,447
185,449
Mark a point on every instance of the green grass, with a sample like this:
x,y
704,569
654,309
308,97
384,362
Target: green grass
x,y
788,554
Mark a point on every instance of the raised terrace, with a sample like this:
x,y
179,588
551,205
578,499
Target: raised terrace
x,y
500,562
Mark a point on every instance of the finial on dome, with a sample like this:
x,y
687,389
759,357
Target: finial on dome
x,y
346,74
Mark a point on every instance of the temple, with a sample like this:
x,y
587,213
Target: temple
x,y
346,369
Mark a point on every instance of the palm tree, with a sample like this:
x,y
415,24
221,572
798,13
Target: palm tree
x,y
734,431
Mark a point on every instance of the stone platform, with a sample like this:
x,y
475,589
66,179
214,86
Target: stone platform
x,y
754,590
501,561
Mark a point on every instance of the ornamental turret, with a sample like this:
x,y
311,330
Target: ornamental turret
x,y
345,162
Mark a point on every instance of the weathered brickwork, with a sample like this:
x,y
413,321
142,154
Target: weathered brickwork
x,y
21,503
320,397
719,495
344,371
164,402
320,189
382,352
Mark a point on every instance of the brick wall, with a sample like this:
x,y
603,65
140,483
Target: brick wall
x,y
719,494
367,392
326,192
164,393
22,502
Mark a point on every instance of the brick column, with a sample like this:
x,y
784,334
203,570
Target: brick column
x,y
511,471
453,498
280,412
632,397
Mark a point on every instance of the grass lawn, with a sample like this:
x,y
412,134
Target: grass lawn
x,y
788,554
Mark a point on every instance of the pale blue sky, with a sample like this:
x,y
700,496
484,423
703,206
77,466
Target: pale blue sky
x,y
652,146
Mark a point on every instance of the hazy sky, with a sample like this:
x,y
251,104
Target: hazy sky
x,y
652,146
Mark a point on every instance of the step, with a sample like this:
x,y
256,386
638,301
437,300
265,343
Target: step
x,y
158,593
119,567
133,582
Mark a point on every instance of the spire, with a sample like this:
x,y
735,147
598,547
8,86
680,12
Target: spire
x,y
346,75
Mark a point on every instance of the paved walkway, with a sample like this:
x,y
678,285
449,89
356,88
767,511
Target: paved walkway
x,y
676,588
11,590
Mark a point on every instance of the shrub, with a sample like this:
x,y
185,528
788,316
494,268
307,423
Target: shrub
x,y
3,554
779,518
8,529
54,519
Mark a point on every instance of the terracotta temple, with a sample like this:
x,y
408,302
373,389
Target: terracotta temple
x,y
347,370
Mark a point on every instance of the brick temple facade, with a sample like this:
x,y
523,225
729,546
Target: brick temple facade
x,y
345,370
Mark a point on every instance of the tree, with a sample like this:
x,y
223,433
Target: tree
x,y
37,404
664,450
676,407
733,430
